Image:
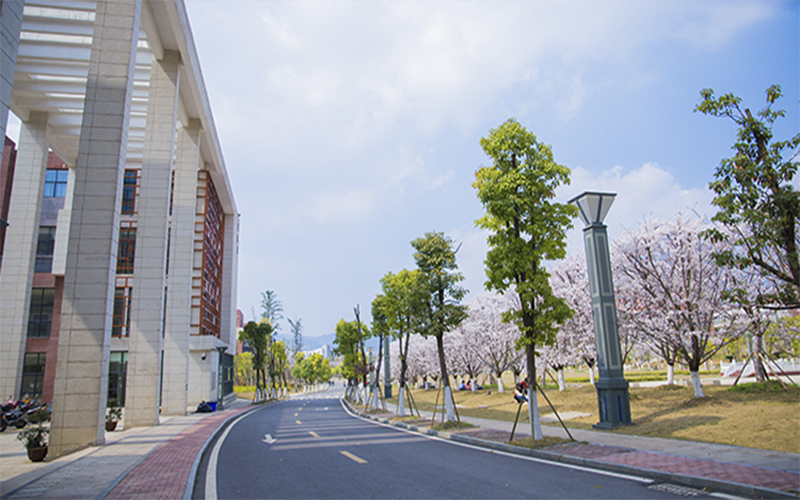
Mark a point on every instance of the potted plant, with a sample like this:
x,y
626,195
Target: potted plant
x,y
35,440
113,414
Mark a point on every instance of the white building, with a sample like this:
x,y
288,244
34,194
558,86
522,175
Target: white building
x,y
143,240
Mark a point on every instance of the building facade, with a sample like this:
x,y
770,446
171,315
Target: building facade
x,y
119,259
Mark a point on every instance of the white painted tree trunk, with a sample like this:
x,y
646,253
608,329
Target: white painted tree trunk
x,y
533,415
401,402
450,415
500,387
591,375
562,384
670,374
375,400
516,379
697,384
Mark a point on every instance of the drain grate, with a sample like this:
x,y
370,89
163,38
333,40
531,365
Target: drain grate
x,y
677,490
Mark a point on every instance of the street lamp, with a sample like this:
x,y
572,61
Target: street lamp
x,y
387,368
220,376
612,389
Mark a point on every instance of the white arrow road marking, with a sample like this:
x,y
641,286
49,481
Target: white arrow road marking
x,y
268,439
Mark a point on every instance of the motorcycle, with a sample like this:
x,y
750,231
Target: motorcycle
x,y
14,414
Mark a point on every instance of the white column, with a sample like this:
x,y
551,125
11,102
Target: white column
x,y
16,276
174,395
230,266
10,25
81,382
147,300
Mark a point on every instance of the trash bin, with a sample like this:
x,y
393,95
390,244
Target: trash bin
x,y
213,405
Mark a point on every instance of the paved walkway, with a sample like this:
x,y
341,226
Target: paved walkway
x,y
158,462
144,462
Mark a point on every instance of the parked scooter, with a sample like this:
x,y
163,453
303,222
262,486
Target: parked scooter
x,y
14,413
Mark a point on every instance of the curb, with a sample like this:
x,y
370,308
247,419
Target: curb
x,y
697,482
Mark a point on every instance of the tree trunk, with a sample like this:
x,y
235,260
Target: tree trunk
x,y
450,415
533,406
758,365
500,387
591,375
401,401
670,373
561,382
697,384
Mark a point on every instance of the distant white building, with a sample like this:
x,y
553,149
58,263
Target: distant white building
x,y
326,351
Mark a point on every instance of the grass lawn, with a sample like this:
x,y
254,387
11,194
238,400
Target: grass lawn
x,y
757,416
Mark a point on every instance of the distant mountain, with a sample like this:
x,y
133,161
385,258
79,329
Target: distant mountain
x,y
311,343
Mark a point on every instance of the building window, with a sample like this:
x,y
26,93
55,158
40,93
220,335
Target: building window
x,y
130,191
55,183
44,249
41,312
117,373
121,325
126,250
33,374
213,232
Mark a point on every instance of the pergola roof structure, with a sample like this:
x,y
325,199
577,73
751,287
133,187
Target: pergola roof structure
x,y
53,64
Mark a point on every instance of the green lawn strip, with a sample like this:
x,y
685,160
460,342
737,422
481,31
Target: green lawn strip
x,y
766,417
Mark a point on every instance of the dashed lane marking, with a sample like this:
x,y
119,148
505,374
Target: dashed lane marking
x,y
353,457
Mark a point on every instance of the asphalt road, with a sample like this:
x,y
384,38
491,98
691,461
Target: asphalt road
x,y
312,448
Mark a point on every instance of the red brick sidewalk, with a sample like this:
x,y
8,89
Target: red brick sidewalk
x,y
163,474
756,476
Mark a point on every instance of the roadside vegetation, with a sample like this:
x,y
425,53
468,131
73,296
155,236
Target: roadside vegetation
x,y
758,415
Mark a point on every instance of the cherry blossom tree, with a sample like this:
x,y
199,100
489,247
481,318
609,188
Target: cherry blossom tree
x,y
680,289
463,348
496,338
569,281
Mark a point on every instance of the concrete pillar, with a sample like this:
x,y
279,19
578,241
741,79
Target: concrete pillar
x,y
81,383
230,264
147,301
10,25
16,277
175,388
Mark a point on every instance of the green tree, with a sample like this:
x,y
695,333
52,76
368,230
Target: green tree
x,y
757,202
319,368
380,329
298,371
296,328
243,368
271,308
403,309
526,229
278,358
346,344
259,336
443,311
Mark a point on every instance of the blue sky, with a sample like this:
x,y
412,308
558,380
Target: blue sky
x,y
351,128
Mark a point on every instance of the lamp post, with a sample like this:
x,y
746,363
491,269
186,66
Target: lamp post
x,y
220,376
387,375
612,389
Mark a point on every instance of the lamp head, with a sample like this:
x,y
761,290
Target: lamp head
x,y
593,206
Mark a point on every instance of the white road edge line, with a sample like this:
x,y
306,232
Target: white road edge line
x,y
211,470
507,454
